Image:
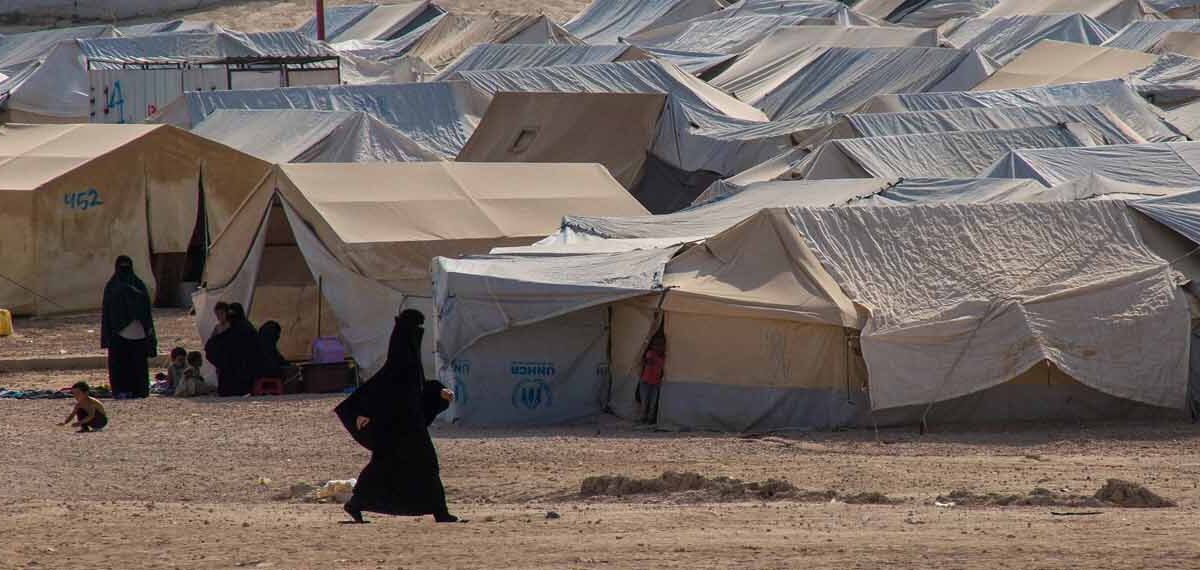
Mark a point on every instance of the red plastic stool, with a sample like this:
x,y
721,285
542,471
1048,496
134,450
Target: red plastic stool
x,y
268,387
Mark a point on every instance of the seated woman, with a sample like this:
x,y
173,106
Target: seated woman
x,y
236,353
274,365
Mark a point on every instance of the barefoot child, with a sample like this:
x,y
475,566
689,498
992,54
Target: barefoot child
x,y
192,382
88,411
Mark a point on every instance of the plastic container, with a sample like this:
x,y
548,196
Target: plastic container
x,y
6,323
328,350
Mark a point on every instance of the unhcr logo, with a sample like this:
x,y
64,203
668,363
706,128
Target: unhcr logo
x,y
532,394
531,369
461,368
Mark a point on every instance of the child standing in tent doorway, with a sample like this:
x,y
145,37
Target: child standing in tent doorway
x,y
653,363
88,412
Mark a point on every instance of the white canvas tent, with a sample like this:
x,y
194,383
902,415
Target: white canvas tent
x,y
438,116
1144,35
1002,39
372,21
610,21
453,34
1162,164
74,197
485,57
1115,95
914,191
290,135
1115,14
1103,125
1057,63
357,239
922,13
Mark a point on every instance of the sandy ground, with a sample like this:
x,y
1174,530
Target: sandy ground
x,y
77,335
195,484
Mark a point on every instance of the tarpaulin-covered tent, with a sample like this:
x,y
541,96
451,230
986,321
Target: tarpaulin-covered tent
x,y
913,191
372,21
1115,95
438,116
454,34
1057,63
1144,35
357,239
291,135
1113,13
1171,80
486,57
833,10
1002,39
1103,125
1163,164
612,129
955,154
922,13
841,79
74,197
700,45
787,50
1182,43
97,9
610,21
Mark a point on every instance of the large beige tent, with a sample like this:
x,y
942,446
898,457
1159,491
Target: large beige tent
x,y
613,129
1113,13
1052,62
73,197
356,240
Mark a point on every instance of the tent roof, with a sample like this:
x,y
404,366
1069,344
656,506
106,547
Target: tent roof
x,y
1144,35
912,191
438,116
609,21
17,50
723,36
922,13
1113,13
368,21
454,34
1173,164
1104,125
1115,95
1002,39
291,135
32,155
485,57
1055,63
203,48
418,202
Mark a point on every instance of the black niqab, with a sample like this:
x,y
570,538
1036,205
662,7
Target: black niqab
x,y
126,299
236,354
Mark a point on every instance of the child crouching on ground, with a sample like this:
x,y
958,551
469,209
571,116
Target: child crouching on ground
x,y
166,384
88,412
192,382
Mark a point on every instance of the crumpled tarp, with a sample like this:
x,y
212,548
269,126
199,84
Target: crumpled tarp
x,y
1115,14
1067,282
724,36
202,47
923,13
1172,78
1141,36
486,57
609,21
1103,124
913,191
1180,212
1161,164
1002,39
1114,94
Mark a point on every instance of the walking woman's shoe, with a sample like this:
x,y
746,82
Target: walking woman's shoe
x,y
446,518
354,512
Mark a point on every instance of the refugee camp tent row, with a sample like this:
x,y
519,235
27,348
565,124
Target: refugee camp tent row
x,y
1002,39
77,196
372,21
610,21
1057,63
336,249
922,13
830,322
1174,164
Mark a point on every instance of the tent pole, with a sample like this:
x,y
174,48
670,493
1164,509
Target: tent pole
x,y
320,20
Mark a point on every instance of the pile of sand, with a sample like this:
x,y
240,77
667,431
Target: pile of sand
x,y
1114,493
696,487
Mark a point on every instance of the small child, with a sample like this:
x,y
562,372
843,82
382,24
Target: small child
x,y
653,363
88,412
192,382
167,383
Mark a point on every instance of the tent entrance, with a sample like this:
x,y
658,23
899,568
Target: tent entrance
x,y
178,273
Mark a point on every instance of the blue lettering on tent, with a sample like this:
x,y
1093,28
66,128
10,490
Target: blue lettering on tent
x,y
532,394
84,200
531,369
117,99
462,370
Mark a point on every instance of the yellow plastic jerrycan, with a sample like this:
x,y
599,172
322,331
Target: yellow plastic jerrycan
x,y
6,326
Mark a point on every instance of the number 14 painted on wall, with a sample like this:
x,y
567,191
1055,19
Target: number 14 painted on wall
x,y
89,198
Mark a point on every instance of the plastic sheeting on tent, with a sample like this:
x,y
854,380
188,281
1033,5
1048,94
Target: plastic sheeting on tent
x,y
1103,124
74,197
201,48
1115,95
454,34
1070,283
1096,187
367,233
169,26
486,57
1056,63
18,50
960,154
714,37
1144,35
718,215
438,116
1182,43
1171,79
371,21
1180,212
613,129
789,49
610,21
279,136
98,9
1115,14
833,10
1002,39
923,13
380,50
841,79
693,105
360,71
913,191
1163,164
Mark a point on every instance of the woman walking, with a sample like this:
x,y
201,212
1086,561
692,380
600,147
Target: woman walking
x,y
127,332
390,415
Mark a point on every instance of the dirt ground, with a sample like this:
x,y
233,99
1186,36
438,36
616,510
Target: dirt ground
x,y
78,335
197,484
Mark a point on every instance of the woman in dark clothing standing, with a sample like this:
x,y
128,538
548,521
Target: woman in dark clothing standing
x,y
127,332
390,416
234,350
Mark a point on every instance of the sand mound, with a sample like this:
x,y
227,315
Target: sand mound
x,y
1114,493
697,487
1131,496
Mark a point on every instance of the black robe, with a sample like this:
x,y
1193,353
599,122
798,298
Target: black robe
x,y
273,364
403,476
127,299
237,355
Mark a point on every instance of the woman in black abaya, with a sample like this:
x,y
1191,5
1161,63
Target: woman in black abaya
x,y
127,332
390,416
235,352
